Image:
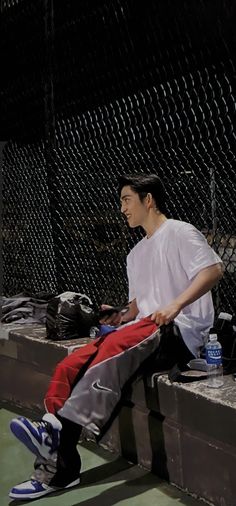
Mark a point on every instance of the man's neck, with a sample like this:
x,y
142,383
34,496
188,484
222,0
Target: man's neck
x,y
154,221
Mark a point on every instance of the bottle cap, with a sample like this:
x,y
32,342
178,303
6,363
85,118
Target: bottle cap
x,y
213,337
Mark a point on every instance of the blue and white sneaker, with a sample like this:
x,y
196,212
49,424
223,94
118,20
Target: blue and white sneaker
x,y
41,438
40,484
31,489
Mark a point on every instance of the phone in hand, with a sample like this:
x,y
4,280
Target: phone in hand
x,y
109,311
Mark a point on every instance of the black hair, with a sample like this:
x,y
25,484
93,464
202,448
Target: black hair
x,y
144,184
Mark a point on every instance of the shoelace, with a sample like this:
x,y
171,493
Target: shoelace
x,y
44,472
40,424
53,434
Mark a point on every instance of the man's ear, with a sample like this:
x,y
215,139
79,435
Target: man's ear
x,y
150,200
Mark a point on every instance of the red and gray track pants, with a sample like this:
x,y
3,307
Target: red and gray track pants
x,y
87,385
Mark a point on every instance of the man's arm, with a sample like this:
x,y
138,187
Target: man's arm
x,y
132,312
204,281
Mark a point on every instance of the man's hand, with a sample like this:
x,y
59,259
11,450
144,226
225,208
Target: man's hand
x,y
166,315
201,284
113,319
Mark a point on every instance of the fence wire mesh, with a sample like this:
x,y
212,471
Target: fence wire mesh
x,y
94,89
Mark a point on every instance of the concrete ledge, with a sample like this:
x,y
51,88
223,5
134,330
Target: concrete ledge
x,y
185,433
199,431
27,362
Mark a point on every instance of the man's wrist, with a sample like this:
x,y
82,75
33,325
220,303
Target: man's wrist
x,y
179,305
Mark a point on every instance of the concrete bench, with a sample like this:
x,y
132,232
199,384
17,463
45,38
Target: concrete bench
x,y
199,430
185,433
27,362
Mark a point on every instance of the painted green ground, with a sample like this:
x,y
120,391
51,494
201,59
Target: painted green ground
x,y
106,479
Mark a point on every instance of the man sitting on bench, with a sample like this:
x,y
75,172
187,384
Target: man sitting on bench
x,y
170,273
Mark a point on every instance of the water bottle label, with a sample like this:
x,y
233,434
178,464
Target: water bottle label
x,y
214,357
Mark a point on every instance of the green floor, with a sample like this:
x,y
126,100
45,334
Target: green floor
x,y
106,478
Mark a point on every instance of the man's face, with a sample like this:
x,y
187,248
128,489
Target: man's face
x,y
132,207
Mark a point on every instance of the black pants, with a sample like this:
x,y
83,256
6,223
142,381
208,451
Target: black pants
x,y
172,350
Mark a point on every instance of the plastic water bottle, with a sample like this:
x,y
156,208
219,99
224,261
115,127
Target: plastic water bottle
x,y
93,333
214,362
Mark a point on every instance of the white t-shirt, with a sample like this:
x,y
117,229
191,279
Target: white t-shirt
x,y
162,267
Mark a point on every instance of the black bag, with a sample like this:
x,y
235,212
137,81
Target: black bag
x,y
225,327
70,315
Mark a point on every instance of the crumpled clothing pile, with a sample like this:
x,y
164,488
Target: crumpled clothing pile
x,y
25,308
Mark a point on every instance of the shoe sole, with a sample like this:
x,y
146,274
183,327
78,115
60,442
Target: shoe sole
x,y
50,490
24,435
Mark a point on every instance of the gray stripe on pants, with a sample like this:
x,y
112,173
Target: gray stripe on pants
x,y
95,396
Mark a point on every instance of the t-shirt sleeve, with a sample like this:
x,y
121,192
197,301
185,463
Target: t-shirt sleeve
x,y
130,275
194,250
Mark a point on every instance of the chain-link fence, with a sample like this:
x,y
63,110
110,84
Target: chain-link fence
x,y
97,88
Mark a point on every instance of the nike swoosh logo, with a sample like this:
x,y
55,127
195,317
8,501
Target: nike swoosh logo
x,y
97,386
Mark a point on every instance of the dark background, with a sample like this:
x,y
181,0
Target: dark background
x,y
94,88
